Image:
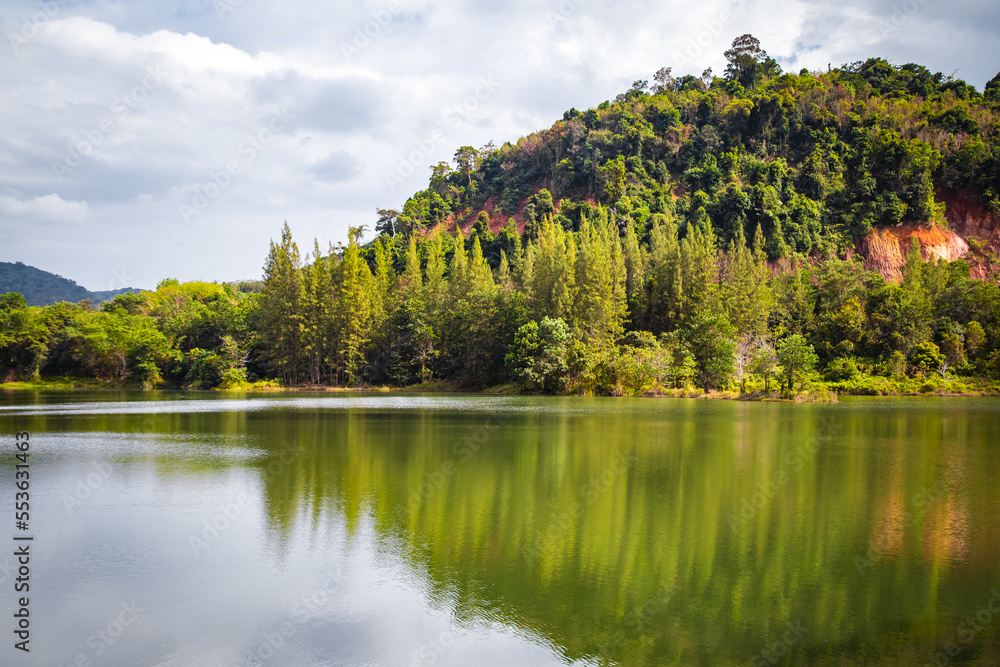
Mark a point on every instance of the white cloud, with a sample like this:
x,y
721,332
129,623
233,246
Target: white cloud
x,y
83,84
50,209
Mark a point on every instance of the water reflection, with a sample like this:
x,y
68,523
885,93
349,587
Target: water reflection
x,y
479,530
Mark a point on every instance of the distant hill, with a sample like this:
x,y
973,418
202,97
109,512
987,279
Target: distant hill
x,y
41,288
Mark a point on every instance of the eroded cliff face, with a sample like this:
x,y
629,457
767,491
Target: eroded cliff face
x,y
973,221
884,250
970,224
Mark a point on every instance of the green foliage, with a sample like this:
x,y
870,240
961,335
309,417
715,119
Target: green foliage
x,y
695,231
206,369
810,160
745,293
412,344
41,288
841,369
764,363
538,359
748,63
797,358
711,341
600,310
281,312
352,313
927,357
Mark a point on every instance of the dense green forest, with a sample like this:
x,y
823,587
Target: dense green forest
x,y
41,288
693,233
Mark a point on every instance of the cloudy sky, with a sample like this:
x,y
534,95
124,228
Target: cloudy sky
x,y
144,140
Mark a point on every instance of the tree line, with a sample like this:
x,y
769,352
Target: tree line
x,y
599,311
696,232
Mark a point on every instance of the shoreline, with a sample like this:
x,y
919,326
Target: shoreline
x,y
815,394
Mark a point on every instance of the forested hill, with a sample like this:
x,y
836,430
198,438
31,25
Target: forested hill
x,y
815,160
41,288
718,232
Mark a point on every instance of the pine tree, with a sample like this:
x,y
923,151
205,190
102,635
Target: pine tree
x,y
317,311
600,306
353,312
746,297
635,276
504,280
699,273
281,306
516,254
458,281
664,287
385,276
551,287
411,282
435,285
527,276
480,276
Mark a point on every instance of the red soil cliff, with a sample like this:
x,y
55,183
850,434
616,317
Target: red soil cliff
x,y
884,250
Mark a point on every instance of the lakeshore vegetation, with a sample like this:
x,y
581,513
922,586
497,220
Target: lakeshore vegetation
x,y
694,235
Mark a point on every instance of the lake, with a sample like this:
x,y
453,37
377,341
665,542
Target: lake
x,y
403,529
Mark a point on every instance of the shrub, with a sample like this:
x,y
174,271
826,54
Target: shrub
x,y
927,357
841,369
234,378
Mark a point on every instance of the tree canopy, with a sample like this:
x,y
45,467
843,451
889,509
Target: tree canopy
x,y
702,232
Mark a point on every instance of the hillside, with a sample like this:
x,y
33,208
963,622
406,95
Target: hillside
x,y
755,233
41,288
819,161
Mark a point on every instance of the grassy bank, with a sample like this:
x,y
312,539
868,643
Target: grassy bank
x,y
814,390
64,383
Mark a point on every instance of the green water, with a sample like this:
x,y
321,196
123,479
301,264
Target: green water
x,y
471,530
